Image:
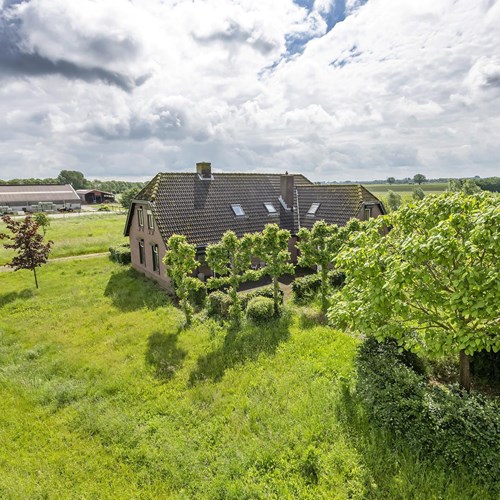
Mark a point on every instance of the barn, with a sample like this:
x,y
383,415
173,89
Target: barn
x,y
92,196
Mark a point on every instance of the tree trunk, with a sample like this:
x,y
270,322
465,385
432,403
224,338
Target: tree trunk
x,y
464,371
324,290
276,288
36,280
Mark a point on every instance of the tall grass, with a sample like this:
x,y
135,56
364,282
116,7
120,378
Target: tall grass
x,y
103,395
79,235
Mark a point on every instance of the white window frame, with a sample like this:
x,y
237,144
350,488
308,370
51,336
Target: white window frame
x,y
140,216
238,210
313,209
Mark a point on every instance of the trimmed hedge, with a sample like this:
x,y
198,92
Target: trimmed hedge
x,y
305,289
120,254
197,293
218,304
463,429
260,310
266,291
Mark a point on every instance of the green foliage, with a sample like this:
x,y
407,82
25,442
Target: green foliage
x,y
489,184
218,304
104,208
73,177
391,180
127,197
443,422
271,246
230,259
180,262
419,178
43,221
432,281
418,194
120,253
197,291
260,310
304,289
466,186
265,291
394,201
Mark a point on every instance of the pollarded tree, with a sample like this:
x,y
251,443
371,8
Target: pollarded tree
x,y
271,246
319,247
432,282
230,259
32,252
180,262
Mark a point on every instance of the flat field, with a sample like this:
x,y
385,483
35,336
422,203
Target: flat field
x,y
79,235
103,395
405,189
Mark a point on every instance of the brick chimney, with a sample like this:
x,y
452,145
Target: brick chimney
x,y
204,170
287,189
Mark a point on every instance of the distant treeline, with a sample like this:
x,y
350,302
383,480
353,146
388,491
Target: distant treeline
x,y
78,181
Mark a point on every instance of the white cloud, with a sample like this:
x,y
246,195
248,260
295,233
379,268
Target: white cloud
x,y
128,88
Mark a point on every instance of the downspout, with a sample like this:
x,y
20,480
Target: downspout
x,y
298,210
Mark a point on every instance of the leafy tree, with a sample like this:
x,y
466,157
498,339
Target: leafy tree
x,y
43,221
318,247
418,194
454,185
128,196
489,184
391,180
231,259
470,187
73,177
32,252
431,282
419,178
271,246
394,200
180,262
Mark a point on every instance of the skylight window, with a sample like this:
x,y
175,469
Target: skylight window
x,y
313,209
270,208
238,211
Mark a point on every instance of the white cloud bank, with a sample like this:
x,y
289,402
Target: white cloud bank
x,y
125,89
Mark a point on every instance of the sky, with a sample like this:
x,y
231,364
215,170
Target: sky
x,y
335,89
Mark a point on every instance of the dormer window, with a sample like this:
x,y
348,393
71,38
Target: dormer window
x,y
140,217
270,208
313,209
238,210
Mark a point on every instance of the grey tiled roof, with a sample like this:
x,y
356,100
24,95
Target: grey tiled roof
x,y
182,203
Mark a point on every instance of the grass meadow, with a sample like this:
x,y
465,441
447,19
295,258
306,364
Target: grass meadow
x,y
79,235
406,189
104,395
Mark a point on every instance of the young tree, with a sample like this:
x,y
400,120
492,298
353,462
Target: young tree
x,y
271,246
418,194
419,178
393,200
230,259
180,262
128,196
43,221
32,252
431,282
318,247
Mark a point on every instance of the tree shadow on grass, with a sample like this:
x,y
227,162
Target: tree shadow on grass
x,y
7,298
239,346
130,290
164,355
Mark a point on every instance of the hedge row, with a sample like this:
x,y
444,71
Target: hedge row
x,y
305,289
461,428
120,253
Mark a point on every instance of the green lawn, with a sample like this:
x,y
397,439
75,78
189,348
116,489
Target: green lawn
x,y
103,396
79,235
381,190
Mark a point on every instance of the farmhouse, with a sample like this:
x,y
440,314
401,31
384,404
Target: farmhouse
x,y
202,206
92,196
38,197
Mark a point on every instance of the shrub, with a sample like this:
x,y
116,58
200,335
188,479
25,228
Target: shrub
x,y
336,278
197,293
266,291
445,422
260,310
218,304
120,254
305,288
104,208
310,317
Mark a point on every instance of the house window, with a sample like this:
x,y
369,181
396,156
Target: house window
x,y
142,254
150,220
140,217
313,209
156,259
270,208
368,212
238,210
